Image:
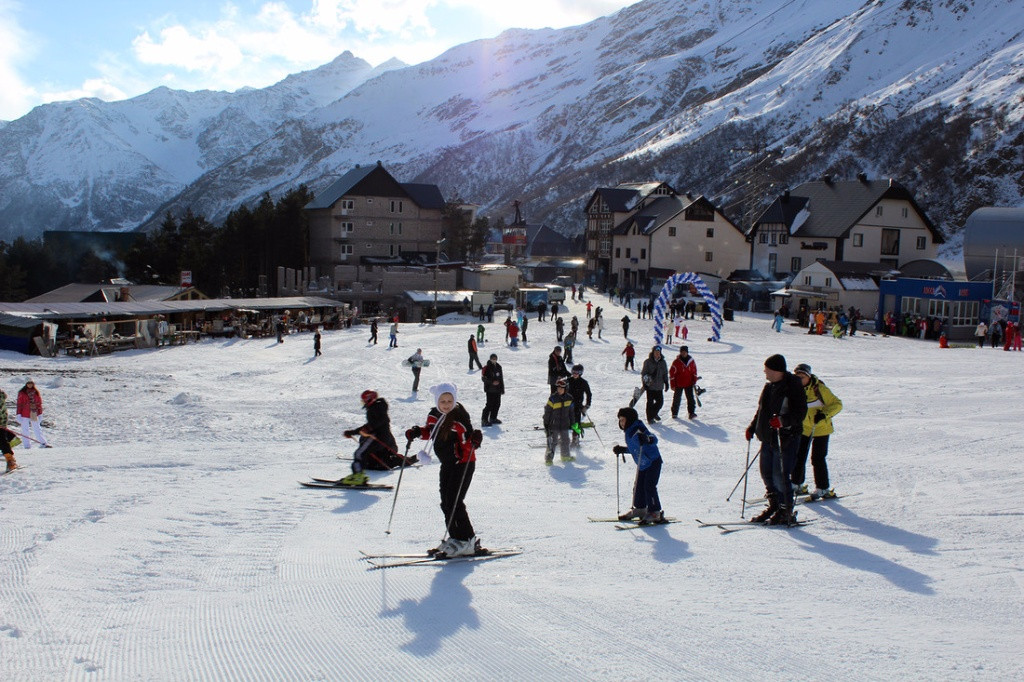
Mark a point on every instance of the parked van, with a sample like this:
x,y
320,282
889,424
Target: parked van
x,y
556,293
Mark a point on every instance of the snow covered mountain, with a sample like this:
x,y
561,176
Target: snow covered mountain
x,y
89,164
721,97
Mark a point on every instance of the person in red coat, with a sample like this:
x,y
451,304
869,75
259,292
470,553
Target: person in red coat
x,y
682,377
30,412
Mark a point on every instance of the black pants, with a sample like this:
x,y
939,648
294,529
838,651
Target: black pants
x,y
629,364
454,482
777,461
818,448
491,408
677,395
416,382
473,357
655,400
5,442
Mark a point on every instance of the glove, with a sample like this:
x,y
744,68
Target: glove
x,y
645,439
620,450
476,438
412,433
351,433
750,433
775,422
819,417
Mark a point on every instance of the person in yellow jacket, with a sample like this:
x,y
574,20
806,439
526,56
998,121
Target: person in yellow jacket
x,y
822,406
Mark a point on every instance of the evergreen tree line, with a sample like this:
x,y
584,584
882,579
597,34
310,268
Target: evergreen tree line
x,y
226,260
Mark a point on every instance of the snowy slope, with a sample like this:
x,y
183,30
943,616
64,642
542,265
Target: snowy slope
x,y
165,536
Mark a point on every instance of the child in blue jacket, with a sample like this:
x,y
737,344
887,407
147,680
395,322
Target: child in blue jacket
x,y
643,445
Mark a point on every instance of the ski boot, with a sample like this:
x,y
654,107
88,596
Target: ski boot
x,y
784,516
768,512
823,494
634,513
11,463
355,478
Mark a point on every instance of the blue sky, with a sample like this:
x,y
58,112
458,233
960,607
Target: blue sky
x,y
113,49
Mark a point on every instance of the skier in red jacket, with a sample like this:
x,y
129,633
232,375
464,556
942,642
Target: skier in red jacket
x,y
682,377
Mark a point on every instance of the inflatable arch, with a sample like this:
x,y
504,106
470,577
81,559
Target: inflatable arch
x,y
666,294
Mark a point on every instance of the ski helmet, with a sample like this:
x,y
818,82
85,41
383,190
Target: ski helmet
x,y
368,397
577,369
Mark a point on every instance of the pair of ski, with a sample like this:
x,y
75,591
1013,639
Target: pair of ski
x,y
11,471
632,524
334,484
805,499
732,526
415,559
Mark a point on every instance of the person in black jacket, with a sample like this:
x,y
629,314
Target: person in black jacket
x,y
778,424
471,347
455,444
494,388
556,367
376,443
579,389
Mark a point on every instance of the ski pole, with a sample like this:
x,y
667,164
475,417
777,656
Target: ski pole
x,y
750,464
743,508
398,486
618,505
594,426
22,435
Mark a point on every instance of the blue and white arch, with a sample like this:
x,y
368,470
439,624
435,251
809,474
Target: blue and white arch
x,y
666,295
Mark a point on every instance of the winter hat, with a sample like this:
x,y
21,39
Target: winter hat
x,y
629,414
656,348
684,349
802,368
776,362
440,389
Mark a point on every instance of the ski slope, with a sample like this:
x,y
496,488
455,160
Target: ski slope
x,y
165,536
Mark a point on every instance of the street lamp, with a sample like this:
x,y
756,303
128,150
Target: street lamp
x,y
437,263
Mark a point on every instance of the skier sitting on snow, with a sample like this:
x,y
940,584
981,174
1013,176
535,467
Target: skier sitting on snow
x,y
377,448
643,446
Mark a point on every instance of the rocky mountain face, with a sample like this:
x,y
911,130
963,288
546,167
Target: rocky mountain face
x,y
733,99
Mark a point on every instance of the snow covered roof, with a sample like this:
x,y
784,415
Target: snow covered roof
x,y
134,308
422,296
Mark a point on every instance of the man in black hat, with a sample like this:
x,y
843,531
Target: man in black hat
x,y
778,424
682,376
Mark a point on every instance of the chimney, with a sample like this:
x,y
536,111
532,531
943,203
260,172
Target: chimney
x,y
785,197
863,177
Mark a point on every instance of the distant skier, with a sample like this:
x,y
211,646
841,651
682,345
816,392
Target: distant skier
x,y
316,342
417,363
455,443
625,326
494,388
373,332
682,376
579,389
630,352
471,347
393,334
643,446
654,374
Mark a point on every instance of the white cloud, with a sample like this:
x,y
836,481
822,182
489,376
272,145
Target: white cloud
x,y
15,47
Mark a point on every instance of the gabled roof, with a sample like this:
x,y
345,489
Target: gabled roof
x,y
625,196
541,240
341,187
835,206
425,196
659,211
855,275
374,180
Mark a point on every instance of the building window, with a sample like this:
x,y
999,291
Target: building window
x,y
671,230
711,233
708,256
346,229
699,212
828,281
346,250
878,211
396,228
794,265
627,252
618,252
905,212
763,237
643,254
783,238
890,242
858,239
396,206
348,204
921,243
807,280
773,263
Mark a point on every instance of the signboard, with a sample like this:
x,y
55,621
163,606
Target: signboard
x,y
186,278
